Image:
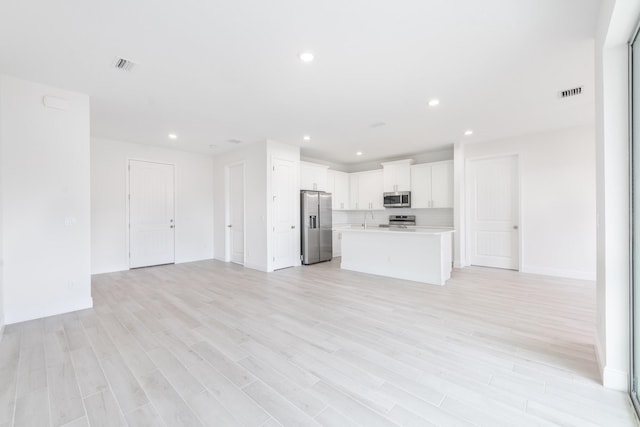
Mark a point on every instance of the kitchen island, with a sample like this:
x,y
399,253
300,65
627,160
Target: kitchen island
x,y
418,254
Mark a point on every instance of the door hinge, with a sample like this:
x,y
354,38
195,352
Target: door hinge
x,y
274,259
301,258
129,167
129,195
274,229
273,168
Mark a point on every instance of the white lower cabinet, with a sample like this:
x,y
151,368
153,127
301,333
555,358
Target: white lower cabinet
x,y
337,243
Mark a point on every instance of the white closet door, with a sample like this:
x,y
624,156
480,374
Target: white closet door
x,y
284,198
236,213
151,214
493,209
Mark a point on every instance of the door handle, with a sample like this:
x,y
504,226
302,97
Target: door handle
x,y
515,227
293,226
229,225
171,226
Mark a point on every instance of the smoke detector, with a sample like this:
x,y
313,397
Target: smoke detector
x,y
123,64
570,92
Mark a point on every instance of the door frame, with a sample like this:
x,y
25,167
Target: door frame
x,y
467,201
127,198
227,211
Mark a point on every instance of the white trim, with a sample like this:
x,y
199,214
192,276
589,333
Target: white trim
x,y
614,379
1,333
51,310
558,272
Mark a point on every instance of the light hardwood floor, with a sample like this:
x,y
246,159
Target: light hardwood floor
x,y
214,344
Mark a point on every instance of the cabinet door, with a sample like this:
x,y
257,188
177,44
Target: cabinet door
x,y
442,185
313,176
341,190
390,181
421,186
354,194
306,177
331,188
377,188
370,188
337,243
397,176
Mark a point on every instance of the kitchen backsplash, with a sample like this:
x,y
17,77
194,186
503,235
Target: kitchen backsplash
x,y
424,217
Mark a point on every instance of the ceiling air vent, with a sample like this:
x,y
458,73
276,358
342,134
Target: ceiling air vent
x,y
234,141
123,64
571,92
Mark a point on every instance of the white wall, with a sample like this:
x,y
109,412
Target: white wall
x,y
257,160
109,180
254,159
617,20
1,231
557,200
45,201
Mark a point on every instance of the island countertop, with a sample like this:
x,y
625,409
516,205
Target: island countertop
x,y
408,230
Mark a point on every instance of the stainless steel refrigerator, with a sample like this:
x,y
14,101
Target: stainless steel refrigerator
x,y
315,223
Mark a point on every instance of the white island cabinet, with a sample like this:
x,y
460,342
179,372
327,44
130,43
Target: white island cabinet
x,y
421,255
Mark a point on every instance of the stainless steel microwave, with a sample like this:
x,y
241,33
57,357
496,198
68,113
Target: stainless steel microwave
x,y
397,199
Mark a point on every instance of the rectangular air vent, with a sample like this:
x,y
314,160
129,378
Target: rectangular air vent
x,y
571,92
234,141
123,64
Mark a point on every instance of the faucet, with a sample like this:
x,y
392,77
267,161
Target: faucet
x,y
365,218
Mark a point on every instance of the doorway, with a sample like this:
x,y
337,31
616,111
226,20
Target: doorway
x,y
235,213
151,214
493,219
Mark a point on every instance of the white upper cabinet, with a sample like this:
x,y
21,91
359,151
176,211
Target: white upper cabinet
x,y
432,185
397,175
313,176
354,190
338,186
370,189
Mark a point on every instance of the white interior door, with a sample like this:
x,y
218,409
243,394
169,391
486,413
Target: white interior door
x,y
151,214
284,198
236,213
493,212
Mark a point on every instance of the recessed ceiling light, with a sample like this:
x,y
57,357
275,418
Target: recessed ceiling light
x,y
468,132
434,102
306,138
306,57
359,153
172,136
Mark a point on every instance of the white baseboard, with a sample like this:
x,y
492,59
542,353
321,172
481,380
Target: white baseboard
x,y
614,379
50,310
570,274
600,355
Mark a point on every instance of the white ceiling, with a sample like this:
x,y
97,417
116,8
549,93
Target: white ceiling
x,y
211,71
